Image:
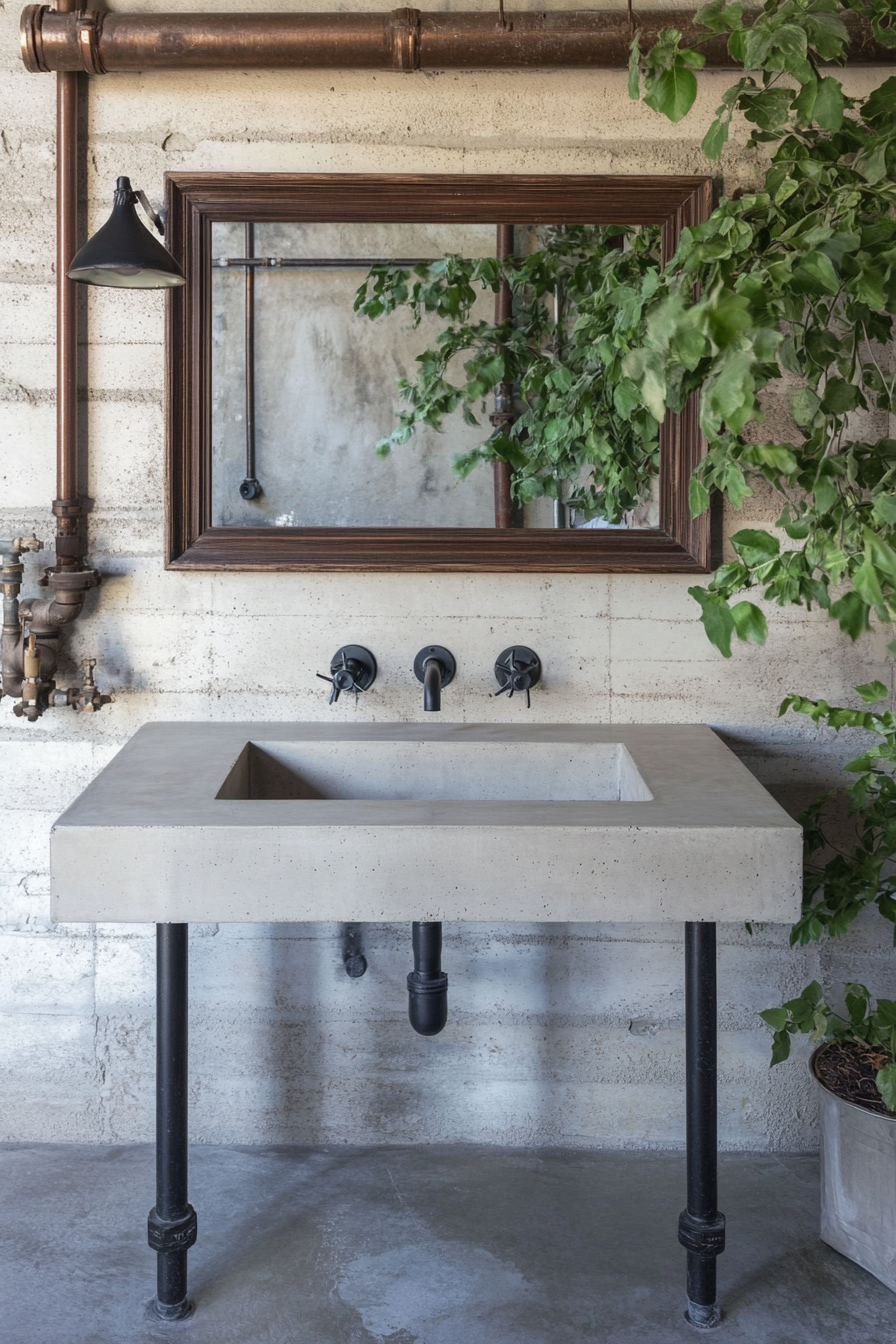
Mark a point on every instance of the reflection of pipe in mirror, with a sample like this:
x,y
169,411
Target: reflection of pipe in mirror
x,y
560,518
250,488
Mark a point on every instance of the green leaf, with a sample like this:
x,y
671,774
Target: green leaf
x,y
780,1047
881,555
872,692
886,1085
755,547
828,110
716,138
698,497
880,107
866,582
673,92
839,397
856,1003
719,16
885,508
776,1017
815,275
716,619
804,406
851,611
871,163
749,622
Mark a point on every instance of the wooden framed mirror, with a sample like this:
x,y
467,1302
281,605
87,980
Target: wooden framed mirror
x,y
237,315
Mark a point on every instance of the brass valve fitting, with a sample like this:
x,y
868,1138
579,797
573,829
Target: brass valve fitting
x,y
37,697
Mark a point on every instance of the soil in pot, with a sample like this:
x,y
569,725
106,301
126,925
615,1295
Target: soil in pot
x,y
848,1069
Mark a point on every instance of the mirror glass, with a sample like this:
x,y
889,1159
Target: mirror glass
x,y
303,387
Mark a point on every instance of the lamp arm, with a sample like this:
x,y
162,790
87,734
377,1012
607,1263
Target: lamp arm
x,y
157,219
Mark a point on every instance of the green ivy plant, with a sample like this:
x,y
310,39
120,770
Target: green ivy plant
x,y
579,430
841,879
870,1025
797,289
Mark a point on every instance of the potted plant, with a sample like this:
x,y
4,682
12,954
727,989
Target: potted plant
x,y
855,1064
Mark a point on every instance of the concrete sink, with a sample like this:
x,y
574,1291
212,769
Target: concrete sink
x,y
273,821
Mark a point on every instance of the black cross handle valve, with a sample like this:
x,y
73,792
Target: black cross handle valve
x,y
517,669
352,668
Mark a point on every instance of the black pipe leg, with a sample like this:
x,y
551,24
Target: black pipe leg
x,y
701,1228
172,1223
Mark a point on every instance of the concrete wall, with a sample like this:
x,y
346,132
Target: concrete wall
x,y
566,1035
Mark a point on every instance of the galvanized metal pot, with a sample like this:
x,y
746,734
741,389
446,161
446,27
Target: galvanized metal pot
x,y
858,1182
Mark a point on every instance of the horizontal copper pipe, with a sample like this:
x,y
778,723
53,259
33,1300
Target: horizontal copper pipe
x,y
404,39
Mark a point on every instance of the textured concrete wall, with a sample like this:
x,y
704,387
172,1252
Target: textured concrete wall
x,y
567,1035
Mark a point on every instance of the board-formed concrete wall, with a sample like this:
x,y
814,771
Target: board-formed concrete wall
x,y
568,1035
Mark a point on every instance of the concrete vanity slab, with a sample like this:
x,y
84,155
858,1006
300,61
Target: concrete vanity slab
x,y
308,821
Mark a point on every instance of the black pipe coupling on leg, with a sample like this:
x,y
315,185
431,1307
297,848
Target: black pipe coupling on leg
x,y
176,1234
703,1236
427,982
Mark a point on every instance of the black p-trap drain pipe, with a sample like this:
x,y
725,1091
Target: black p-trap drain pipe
x,y
427,982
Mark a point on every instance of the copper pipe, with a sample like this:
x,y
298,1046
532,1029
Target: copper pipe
x,y
503,416
405,39
66,505
250,354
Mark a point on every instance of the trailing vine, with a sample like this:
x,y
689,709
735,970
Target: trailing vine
x,y
798,291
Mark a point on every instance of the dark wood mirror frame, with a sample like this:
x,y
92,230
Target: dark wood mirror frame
x,y
197,200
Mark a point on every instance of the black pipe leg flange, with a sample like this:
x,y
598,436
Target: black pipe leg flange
x,y
703,1317
703,1239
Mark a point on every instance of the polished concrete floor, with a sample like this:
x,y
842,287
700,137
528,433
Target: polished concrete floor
x,y
419,1245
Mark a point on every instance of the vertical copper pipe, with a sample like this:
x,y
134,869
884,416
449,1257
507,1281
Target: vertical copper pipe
x,y
503,392
250,354
66,505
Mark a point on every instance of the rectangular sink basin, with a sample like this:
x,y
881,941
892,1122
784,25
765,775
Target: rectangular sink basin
x,y
443,771
287,822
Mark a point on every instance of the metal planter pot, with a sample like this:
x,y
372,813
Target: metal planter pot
x,y
858,1182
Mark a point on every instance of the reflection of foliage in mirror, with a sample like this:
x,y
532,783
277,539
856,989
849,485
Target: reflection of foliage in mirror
x,y
582,431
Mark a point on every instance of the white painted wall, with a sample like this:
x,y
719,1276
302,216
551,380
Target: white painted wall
x,y
560,1035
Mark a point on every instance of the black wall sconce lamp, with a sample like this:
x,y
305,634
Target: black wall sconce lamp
x,y
123,253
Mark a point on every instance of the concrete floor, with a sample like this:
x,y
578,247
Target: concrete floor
x,y
420,1245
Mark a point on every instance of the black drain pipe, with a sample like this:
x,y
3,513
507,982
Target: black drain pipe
x,y
427,982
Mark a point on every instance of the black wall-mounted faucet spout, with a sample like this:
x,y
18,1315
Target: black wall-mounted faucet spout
x,y
432,684
435,667
427,982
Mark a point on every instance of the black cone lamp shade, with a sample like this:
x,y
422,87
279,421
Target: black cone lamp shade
x,y
123,253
